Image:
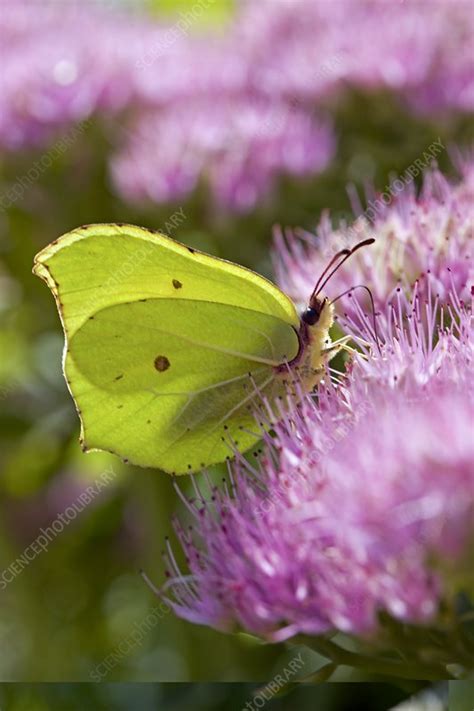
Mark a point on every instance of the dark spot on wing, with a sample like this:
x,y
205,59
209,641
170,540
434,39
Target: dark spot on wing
x,y
161,363
177,284
190,249
142,299
118,377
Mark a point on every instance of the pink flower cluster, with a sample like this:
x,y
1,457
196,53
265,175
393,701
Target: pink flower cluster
x,y
363,500
415,235
314,49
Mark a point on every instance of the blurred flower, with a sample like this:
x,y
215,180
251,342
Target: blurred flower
x,y
240,145
356,492
61,64
244,113
238,107
430,233
302,48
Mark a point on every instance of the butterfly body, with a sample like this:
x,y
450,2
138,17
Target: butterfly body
x,y
169,351
308,367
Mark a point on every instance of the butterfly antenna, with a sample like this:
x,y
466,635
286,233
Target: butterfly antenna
x,y
372,303
345,253
341,253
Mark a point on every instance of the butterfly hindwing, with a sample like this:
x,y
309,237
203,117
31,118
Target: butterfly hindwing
x,y
172,384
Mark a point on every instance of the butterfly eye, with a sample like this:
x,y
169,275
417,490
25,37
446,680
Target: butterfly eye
x,y
310,316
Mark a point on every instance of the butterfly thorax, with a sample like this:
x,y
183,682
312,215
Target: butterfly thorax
x,y
314,339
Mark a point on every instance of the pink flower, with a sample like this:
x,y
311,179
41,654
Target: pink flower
x,y
362,500
415,235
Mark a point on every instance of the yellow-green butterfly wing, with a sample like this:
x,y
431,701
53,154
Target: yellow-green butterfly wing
x,y
167,349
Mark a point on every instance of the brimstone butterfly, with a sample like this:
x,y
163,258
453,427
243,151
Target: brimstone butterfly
x,y
167,349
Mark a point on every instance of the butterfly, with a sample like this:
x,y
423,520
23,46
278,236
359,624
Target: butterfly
x,y
168,350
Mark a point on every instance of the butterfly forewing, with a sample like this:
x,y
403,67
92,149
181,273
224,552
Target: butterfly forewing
x,y
102,265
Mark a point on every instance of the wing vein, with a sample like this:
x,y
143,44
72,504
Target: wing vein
x,y
201,344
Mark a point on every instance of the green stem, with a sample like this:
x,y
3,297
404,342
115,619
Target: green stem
x,y
323,674
375,665
432,647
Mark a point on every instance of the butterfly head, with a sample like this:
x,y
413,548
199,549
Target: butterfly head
x,y
317,319
312,313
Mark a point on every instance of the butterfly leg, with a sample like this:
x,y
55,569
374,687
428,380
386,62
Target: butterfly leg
x,y
340,345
